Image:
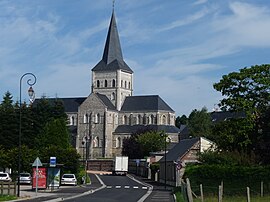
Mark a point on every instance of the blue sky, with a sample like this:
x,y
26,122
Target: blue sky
x,y
177,48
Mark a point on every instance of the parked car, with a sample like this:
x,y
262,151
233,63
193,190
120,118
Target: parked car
x,y
69,179
4,177
25,178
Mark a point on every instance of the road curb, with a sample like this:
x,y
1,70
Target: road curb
x,y
143,183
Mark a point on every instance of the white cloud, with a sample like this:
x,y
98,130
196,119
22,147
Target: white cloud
x,y
188,20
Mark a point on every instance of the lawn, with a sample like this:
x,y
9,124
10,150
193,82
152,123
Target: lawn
x,y
7,197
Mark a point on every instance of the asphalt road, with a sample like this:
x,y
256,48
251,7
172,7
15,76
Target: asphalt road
x,y
118,188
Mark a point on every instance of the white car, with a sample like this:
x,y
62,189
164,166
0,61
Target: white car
x,y
69,179
4,177
25,178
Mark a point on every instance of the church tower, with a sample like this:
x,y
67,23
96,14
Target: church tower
x,y
112,76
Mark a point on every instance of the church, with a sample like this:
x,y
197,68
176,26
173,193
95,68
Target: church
x,y
100,122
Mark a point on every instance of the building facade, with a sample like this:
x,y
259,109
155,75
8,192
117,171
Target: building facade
x,y
100,122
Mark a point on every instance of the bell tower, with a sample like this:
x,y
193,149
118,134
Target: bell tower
x,y
112,76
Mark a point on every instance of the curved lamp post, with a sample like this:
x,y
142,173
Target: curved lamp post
x,y
31,94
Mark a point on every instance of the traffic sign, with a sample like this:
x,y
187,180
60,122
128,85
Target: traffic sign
x,y
52,161
37,163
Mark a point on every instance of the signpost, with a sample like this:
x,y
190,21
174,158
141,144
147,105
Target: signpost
x,y
52,161
37,163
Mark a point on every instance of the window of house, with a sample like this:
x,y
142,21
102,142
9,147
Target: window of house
x,y
96,142
98,83
164,120
129,85
106,83
113,83
72,121
85,118
97,118
118,142
113,96
125,84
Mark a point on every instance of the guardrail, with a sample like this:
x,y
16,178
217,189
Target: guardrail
x,y
8,188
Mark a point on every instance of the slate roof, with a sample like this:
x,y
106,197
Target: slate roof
x,y
106,101
145,103
112,56
70,104
180,149
224,115
135,128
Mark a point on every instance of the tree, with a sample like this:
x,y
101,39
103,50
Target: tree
x,y
199,123
151,141
183,120
140,145
9,127
249,91
132,148
54,133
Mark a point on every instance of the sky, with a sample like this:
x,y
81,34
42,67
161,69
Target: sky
x,y
177,49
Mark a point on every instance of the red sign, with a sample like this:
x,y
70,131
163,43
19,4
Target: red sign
x,y
42,176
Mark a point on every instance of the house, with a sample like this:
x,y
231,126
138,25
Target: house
x,y
172,166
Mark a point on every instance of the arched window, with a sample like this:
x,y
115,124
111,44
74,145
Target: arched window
x,y
72,121
140,119
130,119
125,120
164,120
144,119
85,118
106,83
122,83
125,84
96,142
113,83
129,85
118,142
98,83
97,118
113,96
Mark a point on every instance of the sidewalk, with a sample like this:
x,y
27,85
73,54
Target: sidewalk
x,y
159,193
27,194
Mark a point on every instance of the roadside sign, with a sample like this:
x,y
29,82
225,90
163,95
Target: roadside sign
x,y
37,163
52,161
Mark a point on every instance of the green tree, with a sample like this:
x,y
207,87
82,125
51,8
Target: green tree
x,y
249,91
151,141
183,120
132,148
9,127
199,123
54,133
246,90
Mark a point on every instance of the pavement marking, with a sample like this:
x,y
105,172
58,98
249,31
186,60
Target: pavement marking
x,y
135,187
109,187
127,187
144,187
117,187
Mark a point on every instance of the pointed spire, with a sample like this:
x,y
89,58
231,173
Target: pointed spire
x,y
112,50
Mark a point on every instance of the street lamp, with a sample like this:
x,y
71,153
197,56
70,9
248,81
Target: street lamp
x,y
31,94
165,159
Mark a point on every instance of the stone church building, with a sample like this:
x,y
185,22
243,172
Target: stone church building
x,y
111,112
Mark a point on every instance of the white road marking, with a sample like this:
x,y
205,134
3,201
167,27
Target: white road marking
x,y
126,187
117,187
135,187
